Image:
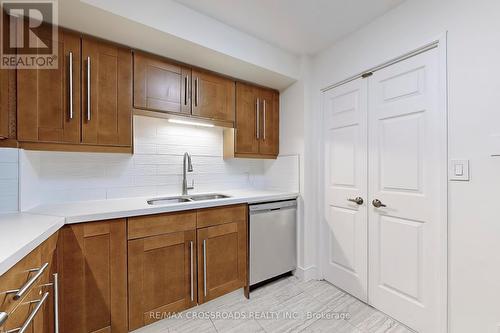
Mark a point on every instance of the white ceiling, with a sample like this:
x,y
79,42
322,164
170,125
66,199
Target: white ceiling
x,y
298,26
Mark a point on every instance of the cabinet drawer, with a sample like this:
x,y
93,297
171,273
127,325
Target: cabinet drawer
x,y
221,215
27,306
153,225
17,277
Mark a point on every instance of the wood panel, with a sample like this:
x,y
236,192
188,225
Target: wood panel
x,y
159,275
110,119
269,138
43,96
153,225
93,277
160,85
220,215
16,277
8,123
246,141
226,264
213,96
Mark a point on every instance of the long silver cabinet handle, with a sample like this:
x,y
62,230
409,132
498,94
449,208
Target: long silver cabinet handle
x,y
56,302
32,315
257,117
264,119
3,317
205,267
185,90
196,95
21,291
192,275
71,85
89,115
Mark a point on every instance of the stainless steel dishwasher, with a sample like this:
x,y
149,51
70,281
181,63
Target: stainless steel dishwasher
x,y
273,239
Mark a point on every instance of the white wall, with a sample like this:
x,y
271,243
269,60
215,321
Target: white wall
x,y
474,82
8,180
155,169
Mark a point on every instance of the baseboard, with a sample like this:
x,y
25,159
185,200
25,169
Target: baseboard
x,y
306,274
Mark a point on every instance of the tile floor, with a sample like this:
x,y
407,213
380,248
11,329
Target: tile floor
x,y
290,306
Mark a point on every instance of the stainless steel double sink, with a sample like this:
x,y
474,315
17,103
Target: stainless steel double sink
x,y
186,198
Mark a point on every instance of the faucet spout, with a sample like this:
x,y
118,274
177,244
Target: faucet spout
x,y
187,166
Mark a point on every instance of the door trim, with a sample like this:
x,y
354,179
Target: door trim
x,y
440,42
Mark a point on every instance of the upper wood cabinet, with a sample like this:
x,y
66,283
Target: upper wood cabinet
x,y
7,104
107,85
44,111
160,85
85,102
93,277
213,96
256,133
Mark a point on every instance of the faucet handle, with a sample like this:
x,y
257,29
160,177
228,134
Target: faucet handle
x,y
192,185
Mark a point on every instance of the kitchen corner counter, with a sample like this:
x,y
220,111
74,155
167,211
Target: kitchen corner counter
x,y
21,233
87,211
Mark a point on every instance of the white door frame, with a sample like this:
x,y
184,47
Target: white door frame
x,y
441,44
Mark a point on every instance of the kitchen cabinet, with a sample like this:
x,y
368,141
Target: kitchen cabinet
x,y
8,128
47,110
160,85
34,274
213,96
161,266
84,104
222,251
107,94
256,132
93,277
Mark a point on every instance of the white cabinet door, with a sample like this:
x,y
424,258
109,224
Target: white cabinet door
x,y
345,229
407,154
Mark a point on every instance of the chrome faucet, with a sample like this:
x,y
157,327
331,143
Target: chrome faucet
x,y
186,168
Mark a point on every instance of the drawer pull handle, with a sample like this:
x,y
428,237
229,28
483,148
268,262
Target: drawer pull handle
x,y
3,318
21,291
32,315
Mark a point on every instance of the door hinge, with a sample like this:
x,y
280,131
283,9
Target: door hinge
x,y
365,75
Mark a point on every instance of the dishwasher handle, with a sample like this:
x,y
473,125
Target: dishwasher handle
x,y
272,206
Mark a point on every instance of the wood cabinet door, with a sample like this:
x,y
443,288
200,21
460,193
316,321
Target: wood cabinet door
x,y
222,259
43,95
107,119
93,277
213,96
160,85
161,276
269,123
246,128
8,128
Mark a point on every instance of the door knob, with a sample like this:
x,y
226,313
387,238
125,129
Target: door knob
x,y
357,200
377,203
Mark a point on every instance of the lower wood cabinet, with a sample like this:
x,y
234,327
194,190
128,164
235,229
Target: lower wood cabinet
x,y
161,275
93,277
222,254
34,273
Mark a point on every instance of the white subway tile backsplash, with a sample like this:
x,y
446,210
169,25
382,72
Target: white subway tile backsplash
x,y
9,180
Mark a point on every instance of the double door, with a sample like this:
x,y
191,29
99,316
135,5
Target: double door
x,y
86,100
160,85
385,190
257,122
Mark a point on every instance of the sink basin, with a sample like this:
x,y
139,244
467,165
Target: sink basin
x,y
181,199
168,201
201,197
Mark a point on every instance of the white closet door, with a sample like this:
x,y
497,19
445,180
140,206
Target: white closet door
x,y
345,229
407,146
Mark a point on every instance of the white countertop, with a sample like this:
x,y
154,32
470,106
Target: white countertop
x,y
21,233
86,211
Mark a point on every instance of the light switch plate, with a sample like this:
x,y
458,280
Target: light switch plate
x,y
459,170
